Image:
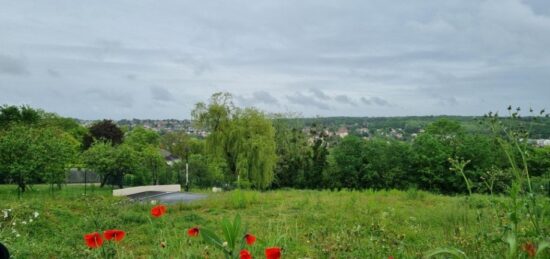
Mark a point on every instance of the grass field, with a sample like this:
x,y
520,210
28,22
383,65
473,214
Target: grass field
x,y
306,224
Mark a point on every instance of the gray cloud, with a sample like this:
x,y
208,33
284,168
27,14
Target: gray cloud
x,y
259,97
12,66
439,57
319,94
113,97
344,99
374,101
308,101
161,94
197,65
53,72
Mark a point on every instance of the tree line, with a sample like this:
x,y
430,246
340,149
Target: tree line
x,y
248,148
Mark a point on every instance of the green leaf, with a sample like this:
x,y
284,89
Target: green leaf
x,y
512,243
456,253
228,233
542,246
211,238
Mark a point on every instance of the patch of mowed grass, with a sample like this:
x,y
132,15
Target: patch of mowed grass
x,y
306,223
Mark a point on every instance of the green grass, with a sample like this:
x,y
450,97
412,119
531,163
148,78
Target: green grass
x,y
307,224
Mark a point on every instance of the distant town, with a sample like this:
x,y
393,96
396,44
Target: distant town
x,y
400,128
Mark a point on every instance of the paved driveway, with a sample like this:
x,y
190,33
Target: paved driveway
x,y
170,197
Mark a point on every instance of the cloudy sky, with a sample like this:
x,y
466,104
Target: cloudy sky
x,y
156,59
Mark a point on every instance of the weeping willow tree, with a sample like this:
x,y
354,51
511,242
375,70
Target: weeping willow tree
x,y
241,141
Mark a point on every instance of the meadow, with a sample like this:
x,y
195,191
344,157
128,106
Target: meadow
x,y
306,224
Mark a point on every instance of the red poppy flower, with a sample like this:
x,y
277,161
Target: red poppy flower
x,y
114,233
93,240
245,254
158,211
193,232
273,253
390,257
250,239
529,248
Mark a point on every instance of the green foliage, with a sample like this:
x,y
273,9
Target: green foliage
x,y
104,131
294,155
111,162
243,139
349,155
140,138
33,155
13,115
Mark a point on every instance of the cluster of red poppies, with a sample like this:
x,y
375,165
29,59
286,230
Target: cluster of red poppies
x,y
95,240
270,252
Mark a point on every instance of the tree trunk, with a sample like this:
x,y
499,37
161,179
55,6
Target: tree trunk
x,y
104,180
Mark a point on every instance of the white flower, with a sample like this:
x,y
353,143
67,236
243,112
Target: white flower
x,y
5,214
24,222
153,202
14,223
224,244
30,220
36,214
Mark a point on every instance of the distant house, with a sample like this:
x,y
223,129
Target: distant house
x,y
168,157
342,132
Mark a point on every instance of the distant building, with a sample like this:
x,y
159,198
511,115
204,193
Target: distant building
x,y
168,157
540,142
342,132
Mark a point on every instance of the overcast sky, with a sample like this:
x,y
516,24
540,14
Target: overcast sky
x,y
156,59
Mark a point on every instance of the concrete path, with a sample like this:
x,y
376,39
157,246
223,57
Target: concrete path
x,y
164,197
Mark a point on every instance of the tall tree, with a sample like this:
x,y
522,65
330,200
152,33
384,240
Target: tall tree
x,y
111,162
242,139
30,155
10,114
104,130
293,152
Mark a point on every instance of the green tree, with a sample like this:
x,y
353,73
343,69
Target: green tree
x,y
10,114
387,164
32,155
294,154
243,139
349,158
111,162
139,138
104,130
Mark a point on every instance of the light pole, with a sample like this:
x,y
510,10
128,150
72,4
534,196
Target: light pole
x,y
186,169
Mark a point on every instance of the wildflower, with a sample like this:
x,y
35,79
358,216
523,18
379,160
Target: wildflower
x,y
36,214
153,202
6,214
93,240
158,211
162,244
390,257
114,233
250,239
224,244
14,223
245,254
24,222
193,232
273,253
529,248
30,220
